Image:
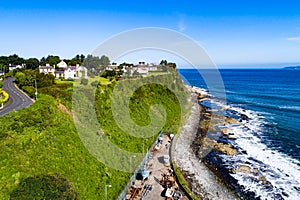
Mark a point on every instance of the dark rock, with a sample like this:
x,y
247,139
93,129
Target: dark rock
x,y
285,194
244,117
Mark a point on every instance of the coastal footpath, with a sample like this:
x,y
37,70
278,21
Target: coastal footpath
x,y
202,182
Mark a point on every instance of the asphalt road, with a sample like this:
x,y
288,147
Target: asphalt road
x,y
17,99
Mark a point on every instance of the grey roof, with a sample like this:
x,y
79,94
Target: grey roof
x,y
59,72
46,67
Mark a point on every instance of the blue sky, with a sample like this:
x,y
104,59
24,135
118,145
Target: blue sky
x,y
232,32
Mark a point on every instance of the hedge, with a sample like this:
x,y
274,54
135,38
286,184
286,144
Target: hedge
x,y
4,96
44,186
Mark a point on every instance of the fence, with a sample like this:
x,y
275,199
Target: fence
x,y
122,196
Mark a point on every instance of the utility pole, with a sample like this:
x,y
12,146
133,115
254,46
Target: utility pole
x,y
106,190
36,92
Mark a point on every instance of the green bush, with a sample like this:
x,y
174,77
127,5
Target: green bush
x,y
94,83
84,81
4,96
1,84
48,187
30,90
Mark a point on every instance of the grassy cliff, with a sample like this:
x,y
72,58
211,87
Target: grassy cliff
x,y
43,139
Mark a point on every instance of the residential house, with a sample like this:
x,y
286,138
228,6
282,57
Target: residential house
x,y
152,67
13,67
81,72
143,69
59,74
70,72
47,69
62,64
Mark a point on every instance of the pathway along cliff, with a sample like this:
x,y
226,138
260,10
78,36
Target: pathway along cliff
x,y
201,180
17,99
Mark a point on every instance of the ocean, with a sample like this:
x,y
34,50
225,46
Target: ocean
x,y
270,141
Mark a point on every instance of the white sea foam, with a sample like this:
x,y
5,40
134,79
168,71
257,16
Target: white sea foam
x,y
282,171
279,169
297,108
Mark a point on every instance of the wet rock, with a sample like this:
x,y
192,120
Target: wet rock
x,y
218,146
231,120
285,194
244,117
243,169
244,152
297,188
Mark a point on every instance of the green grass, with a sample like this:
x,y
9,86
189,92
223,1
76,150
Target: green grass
x,y
140,103
59,81
42,139
104,81
183,182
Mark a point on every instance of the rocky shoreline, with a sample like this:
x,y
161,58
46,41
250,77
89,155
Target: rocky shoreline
x,y
222,153
202,181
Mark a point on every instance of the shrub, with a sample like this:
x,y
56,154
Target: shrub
x,y
44,186
4,96
30,90
84,81
94,83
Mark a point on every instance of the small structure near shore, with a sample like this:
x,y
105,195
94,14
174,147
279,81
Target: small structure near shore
x,y
156,180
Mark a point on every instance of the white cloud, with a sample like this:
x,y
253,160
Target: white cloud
x,y
181,22
293,38
181,25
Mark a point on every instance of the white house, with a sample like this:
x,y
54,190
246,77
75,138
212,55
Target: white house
x,y
59,74
143,70
62,64
47,69
12,67
152,67
70,72
81,72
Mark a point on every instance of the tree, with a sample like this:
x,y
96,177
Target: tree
x,y
52,60
163,62
82,57
128,73
43,61
108,73
20,78
32,63
45,80
135,73
104,61
96,64
164,68
78,59
15,60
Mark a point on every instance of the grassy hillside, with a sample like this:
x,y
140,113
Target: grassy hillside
x,y
43,139
149,94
